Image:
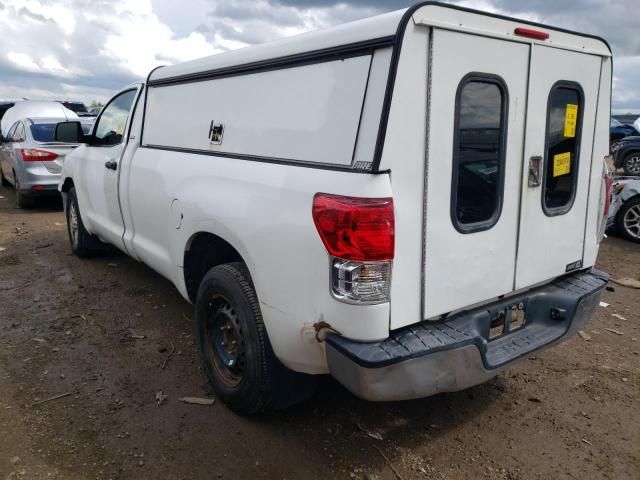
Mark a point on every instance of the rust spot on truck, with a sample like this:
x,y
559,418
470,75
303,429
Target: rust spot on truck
x,y
322,328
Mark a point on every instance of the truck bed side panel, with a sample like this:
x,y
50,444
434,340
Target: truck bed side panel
x,y
264,211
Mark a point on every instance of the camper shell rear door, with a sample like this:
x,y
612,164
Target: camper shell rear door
x,y
490,93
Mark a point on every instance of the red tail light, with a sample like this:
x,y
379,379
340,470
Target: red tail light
x,y
361,229
35,155
528,32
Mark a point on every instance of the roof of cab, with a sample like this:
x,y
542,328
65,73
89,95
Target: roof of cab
x,y
367,33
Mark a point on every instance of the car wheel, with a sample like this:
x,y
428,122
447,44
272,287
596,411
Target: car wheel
x,y
22,200
237,355
3,181
83,244
631,164
628,220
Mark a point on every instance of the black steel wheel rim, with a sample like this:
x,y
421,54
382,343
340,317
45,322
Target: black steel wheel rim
x,y
225,347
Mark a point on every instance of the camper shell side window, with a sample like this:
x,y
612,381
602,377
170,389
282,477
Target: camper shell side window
x,y
562,150
480,132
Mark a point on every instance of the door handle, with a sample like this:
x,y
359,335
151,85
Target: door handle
x,y
535,174
111,165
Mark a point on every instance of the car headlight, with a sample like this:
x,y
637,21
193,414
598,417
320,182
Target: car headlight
x,y
616,146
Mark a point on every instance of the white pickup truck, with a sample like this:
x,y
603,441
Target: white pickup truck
x,y
411,202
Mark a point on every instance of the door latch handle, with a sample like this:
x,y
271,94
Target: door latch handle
x,y
111,165
535,174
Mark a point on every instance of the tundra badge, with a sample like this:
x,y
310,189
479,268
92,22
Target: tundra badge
x,y
577,265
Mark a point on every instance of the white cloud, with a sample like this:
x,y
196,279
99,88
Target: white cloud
x,y
23,61
626,84
149,43
90,48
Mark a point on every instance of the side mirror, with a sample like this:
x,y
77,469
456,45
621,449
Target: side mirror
x,y
70,132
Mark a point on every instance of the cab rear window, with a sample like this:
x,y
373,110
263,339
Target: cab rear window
x,y
478,153
564,125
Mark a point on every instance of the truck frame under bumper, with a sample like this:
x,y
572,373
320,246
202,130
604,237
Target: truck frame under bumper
x,y
457,352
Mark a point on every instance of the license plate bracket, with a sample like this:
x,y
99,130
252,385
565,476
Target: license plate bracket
x,y
507,321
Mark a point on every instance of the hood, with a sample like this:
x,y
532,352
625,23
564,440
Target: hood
x,y
30,109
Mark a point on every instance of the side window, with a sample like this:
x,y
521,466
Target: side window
x,y
564,125
113,120
479,152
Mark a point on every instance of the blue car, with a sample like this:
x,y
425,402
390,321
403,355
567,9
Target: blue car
x,y
618,130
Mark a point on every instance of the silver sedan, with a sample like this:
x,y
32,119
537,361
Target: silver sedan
x,y
31,160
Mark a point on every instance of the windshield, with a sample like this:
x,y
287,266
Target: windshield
x,y
615,123
43,132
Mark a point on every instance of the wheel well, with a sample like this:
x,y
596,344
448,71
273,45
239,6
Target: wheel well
x,y
66,186
203,252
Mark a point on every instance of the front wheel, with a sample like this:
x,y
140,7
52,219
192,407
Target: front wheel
x,y
3,181
631,164
628,220
237,355
83,244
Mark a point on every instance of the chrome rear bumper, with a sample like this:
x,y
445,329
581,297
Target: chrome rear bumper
x,y
446,356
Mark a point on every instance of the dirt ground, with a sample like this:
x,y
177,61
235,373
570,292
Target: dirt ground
x,y
102,331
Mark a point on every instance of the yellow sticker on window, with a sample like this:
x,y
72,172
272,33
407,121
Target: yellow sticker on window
x,y
570,120
561,164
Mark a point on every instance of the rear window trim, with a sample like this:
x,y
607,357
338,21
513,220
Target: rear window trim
x,y
557,211
504,116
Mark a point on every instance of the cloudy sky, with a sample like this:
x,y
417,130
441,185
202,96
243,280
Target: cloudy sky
x,y
86,49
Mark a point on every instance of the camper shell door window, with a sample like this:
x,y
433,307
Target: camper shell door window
x,y
479,152
562,151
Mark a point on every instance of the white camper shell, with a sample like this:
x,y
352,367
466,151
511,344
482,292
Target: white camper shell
x,y
410,202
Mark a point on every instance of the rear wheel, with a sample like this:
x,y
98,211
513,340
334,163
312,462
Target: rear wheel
x,y
22,200
236,352
83,244
628,220
631,164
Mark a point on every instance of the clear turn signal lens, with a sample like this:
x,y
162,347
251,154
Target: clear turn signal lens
x,y
361,282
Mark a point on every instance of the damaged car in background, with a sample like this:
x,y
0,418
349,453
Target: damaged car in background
x,y
626,155
624,213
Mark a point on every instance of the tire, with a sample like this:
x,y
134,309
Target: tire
x,y
22,200
628,220
3,181
235,349
83,244
631,163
